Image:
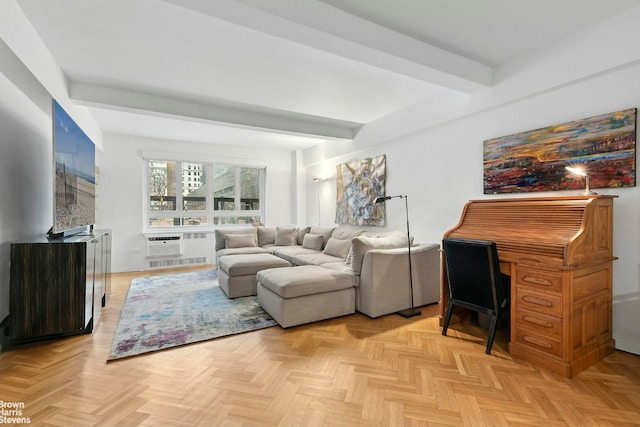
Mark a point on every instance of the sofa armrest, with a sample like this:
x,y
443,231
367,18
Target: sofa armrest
x,y
384,279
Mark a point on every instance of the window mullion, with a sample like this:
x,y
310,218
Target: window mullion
x,y
209,209
237,189
262,191
179,189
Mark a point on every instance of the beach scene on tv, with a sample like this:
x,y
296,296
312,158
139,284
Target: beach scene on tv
x,y
75,186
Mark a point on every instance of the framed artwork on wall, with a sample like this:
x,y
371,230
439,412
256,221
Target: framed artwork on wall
x,y
358,184
604,146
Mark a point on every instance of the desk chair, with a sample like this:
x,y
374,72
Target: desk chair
x,y
475,281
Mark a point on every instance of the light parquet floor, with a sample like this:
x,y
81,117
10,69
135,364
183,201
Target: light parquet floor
x,y
350,371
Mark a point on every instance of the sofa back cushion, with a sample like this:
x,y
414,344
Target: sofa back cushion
x,y
240,241
221,232
325,231
266,236
301,233
361,245
313,241
286,236
345,234
337,247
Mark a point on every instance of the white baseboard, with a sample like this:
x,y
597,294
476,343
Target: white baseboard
x,y
628,346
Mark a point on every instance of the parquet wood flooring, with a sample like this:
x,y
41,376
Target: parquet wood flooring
x,y
349,371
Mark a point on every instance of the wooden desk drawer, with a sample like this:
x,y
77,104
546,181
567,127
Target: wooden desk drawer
x,y
540,324
548,304
542,280
543,343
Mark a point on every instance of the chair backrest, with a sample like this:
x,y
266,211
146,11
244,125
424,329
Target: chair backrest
x,y
473,272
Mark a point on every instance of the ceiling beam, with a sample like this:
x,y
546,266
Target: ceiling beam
x,y
216,112
331,30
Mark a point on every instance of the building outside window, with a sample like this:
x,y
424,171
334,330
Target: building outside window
x,y
203,194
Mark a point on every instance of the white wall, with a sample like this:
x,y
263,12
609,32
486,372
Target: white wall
x,y
121,200
29,78
26,180
440,169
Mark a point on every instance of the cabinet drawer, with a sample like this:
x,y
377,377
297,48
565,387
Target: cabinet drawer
x,y
540,324
542,280
543,343
548,304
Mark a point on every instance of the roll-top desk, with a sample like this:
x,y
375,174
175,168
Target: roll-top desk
x,y
559,254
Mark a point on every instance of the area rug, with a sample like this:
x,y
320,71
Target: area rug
x,y
166,311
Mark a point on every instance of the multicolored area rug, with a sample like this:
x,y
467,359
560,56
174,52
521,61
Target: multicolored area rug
x,y
161,312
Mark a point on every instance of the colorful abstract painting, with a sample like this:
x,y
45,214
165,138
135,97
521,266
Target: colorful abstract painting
x,y
604,146
358,184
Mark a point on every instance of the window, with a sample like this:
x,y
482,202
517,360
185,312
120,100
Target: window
x,y
162,186
203,194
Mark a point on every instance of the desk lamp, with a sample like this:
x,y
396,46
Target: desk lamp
x,y
577,170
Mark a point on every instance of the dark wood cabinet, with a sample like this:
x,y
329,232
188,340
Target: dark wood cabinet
x,y
58,286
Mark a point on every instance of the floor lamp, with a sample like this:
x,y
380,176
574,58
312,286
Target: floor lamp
x,y
409,312
317,181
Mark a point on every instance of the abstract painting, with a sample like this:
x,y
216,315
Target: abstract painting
x,y
358,184
604,146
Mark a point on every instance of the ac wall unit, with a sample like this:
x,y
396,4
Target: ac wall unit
x,y
164,246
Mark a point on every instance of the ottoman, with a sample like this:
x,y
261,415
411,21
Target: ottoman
x,y
304,294
237,273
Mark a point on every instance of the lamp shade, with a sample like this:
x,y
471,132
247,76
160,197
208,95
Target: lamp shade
x,y
578,170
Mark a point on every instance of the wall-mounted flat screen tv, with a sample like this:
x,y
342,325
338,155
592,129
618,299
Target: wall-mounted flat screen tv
x,y
75,180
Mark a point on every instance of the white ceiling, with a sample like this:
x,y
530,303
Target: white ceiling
x,y
287,74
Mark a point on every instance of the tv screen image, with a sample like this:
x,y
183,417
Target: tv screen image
x,y
75,183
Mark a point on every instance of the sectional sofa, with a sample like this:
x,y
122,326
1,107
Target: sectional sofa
x,y
344,271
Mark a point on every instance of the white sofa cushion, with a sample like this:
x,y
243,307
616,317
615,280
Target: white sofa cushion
x,y
346,234
290,252
221,232
342,268
295,282
241,251
286,236
313,241
315,258
249,264
240,241
336,247
301,233
325,231
266,236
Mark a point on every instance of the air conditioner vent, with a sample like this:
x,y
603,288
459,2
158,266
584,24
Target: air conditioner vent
x,y
177,262
188,236
163,238
165,245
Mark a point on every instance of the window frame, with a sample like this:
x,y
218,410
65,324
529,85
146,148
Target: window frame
x,y
209,212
